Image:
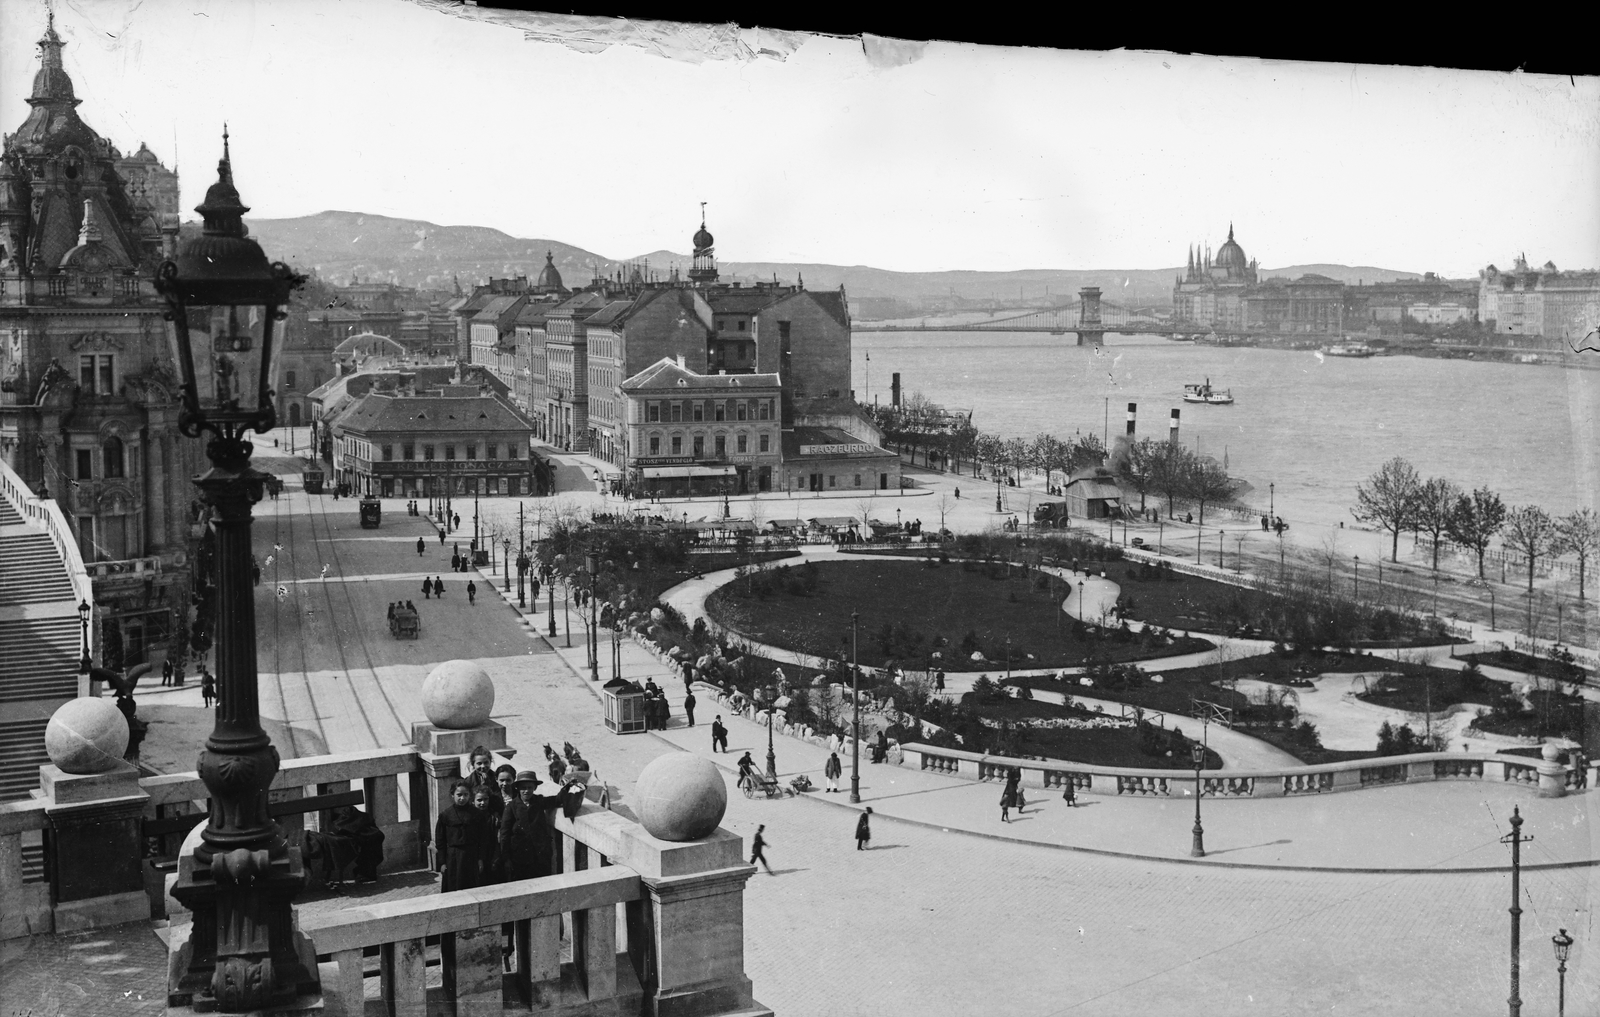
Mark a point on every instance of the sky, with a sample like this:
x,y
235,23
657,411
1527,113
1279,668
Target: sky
x,y
809,148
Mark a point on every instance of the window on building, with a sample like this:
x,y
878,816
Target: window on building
x,y
721,324
86,374
833,481
744,410
677,445
677,412
493,451
699,410
388,453
744,443
766,409
427,453
85,464
472,451
408,452
699,445
106,376
721,410
858,480
511,450
449,451
766,443
112,454
722,445
655,446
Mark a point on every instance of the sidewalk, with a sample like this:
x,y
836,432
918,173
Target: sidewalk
x,y
1404,828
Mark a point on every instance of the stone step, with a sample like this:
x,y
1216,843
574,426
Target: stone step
x,y
21,754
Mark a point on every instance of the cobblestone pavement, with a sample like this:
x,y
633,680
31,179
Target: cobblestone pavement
x,y
938,919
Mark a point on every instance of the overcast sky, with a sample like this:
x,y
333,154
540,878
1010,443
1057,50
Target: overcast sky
x,y
809,148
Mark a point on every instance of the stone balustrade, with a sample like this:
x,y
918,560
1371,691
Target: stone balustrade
x,y
1353,775
24,893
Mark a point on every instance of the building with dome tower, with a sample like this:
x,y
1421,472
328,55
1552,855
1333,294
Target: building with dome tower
x,y
1212,292
88,396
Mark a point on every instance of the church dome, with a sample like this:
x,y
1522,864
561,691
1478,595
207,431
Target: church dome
x,y
549,277
703,238
1230,257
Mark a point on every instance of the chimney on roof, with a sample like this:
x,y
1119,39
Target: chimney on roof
x,y
681,363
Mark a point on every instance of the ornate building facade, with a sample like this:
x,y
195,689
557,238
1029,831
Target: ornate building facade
x,y
1539,302
1212,292
88,395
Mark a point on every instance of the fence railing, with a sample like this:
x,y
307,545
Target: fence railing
x,y
1352,775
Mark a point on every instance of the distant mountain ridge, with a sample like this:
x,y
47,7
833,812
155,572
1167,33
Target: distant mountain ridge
x,y
341,245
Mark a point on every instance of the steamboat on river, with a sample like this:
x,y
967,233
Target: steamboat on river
x,y
1206,394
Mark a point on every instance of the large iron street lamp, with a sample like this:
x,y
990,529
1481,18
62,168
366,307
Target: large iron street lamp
x,y
855,703
243,878
1272,501
591,565
1198,848
505,561
1357,560
1563,944
772,758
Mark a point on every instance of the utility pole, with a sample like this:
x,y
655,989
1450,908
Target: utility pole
x,y
1516,840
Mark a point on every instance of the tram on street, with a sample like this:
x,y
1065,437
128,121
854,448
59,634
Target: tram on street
x,y
371,513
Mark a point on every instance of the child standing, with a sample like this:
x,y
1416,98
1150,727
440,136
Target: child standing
x,y
462,840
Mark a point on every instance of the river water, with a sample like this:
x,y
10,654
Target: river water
x,y
1313,426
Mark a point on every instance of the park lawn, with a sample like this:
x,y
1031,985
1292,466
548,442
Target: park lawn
x,y
1516,660
925,601
1284,740
1435,689
1179,602
1095,747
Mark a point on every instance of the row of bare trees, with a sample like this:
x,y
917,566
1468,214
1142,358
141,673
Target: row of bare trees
x,y
1397,499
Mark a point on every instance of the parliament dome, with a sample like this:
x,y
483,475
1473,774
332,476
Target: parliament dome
x,y
1230,257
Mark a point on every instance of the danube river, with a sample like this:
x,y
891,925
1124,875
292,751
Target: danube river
x,y
1313,426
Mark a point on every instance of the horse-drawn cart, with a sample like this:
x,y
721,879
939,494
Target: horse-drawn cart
x,y
406,624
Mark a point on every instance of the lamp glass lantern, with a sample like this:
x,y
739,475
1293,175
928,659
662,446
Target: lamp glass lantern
x,y
224,299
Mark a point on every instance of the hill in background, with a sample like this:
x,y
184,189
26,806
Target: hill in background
x,y
342,245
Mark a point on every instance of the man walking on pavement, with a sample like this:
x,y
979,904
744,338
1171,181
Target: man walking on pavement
x,y
472,592
719,735
441,536
421,546
166,671
863,830
831,770
688,708
758,844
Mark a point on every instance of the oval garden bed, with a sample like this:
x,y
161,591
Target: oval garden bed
x,y
925,614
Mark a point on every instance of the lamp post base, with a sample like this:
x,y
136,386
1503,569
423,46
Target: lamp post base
x,y
1198,848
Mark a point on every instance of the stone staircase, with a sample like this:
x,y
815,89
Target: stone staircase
x,y
31,570
39,644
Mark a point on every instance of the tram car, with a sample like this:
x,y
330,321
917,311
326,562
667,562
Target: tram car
x,y
312,479
371,513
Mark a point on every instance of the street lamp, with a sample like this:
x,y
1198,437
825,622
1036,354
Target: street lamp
x,y
243,879
1491,608
997,505
591,565
1272,492
855,703
84,610
505,561
1563,944
772,758
1357,560
1198,849
1219,548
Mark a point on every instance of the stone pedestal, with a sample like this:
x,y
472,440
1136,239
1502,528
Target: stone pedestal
x,y
96,878
1552,773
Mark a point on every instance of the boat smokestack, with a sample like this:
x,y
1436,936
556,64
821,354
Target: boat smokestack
x,y
894,388
1172,427
1133,417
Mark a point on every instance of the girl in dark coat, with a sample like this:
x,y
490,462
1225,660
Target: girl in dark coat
x,y
1008,798
863,830
463,842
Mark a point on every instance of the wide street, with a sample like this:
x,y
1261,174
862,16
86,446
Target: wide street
x,y
950,910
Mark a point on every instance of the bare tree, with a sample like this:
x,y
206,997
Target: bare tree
x,y
1580,537
1207,482
1388,498
1475,520
1435,505
1531,533
944,503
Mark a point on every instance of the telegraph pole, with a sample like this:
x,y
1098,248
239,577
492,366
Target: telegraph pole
x,y
1516,840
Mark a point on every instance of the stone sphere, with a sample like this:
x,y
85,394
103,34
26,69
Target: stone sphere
x,y
681,797
458,694
87,735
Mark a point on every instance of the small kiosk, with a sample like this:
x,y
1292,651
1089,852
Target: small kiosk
x,y
624,704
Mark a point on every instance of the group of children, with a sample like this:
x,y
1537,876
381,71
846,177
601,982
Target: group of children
x,y
498,827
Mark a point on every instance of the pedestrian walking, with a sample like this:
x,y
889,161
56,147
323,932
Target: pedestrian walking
x,y
831,771
758,844
438,587
472,592
455,563
535,593
863,830
458,520
166,671
208,688
427,588
1008,798
441,536
688,708
421,546
1070,795
719,735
